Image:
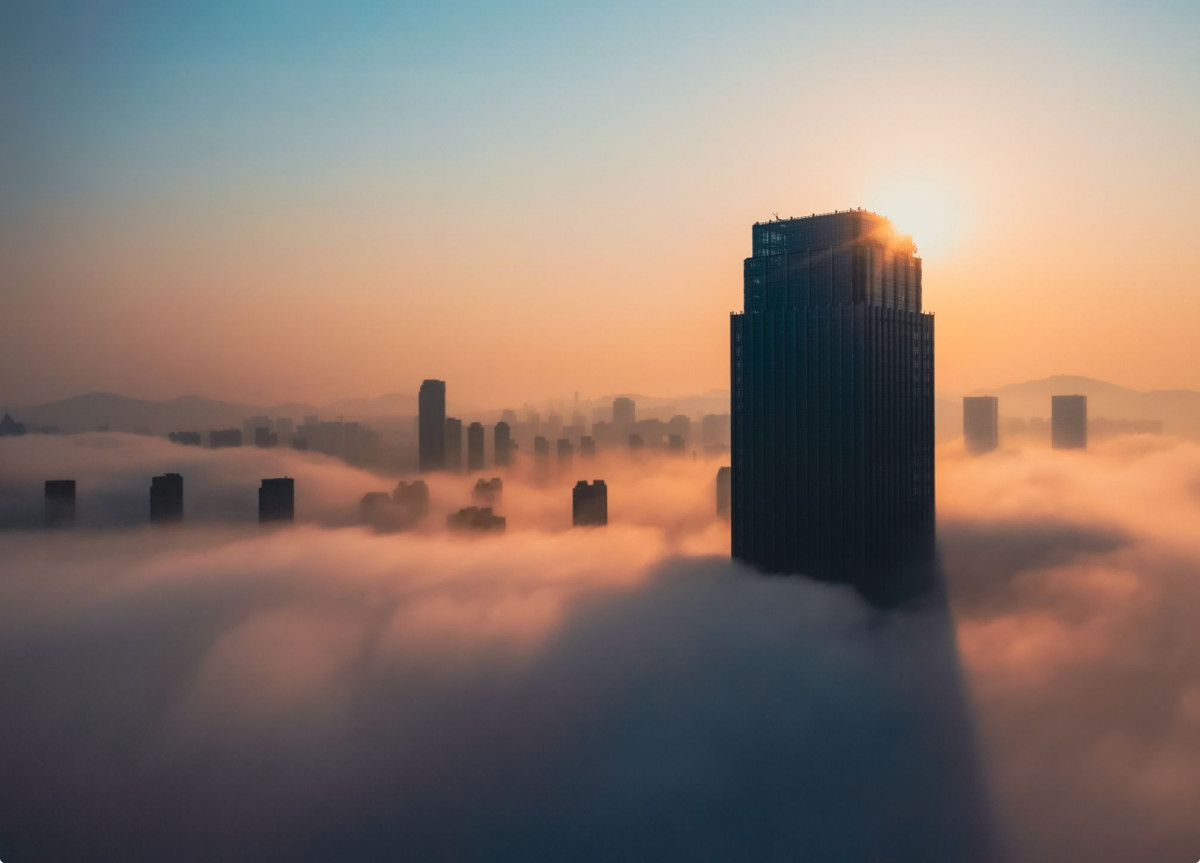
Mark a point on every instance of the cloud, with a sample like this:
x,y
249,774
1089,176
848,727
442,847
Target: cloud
x,y
1075,579
327,692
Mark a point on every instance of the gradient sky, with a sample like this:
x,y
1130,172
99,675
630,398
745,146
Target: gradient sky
x,y
271,201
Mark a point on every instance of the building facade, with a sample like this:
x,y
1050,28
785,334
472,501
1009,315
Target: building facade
x,y
431,425
589,504
502,444
277,500
1068,422
166,498
981,423
475,447
832,427
453,443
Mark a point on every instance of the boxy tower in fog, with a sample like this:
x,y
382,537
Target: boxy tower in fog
x,y
1068,422
431,425
832,395
981,423
166,498
277,500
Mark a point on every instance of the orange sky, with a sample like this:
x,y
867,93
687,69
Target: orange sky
x,y
264,222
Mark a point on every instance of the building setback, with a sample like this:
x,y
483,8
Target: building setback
x,y
431,425
277,500
981,423
589,504
60,502
166,498
1068,422
832,405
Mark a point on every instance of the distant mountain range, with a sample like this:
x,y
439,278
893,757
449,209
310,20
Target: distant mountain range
x,y
1178,409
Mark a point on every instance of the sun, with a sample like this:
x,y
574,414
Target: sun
x,y
932,212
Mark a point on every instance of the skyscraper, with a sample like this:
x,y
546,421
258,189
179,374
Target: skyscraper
x,y
431,425
589,504
1068,422
277,500
475,446
724,491
624,412
502,434
832,394
981,423
454,444
166,498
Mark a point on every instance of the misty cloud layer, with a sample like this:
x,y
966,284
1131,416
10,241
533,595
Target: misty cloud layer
x,y
326,692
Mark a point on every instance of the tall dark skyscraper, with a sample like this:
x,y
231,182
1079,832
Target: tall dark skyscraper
x,y
431,425
454,444
475,446
60,502
166,498
832,395
502,454
1068,422
277,500
981,423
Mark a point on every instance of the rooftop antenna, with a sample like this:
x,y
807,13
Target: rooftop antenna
x,y
776,215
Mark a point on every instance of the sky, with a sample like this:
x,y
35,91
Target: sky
x,y
265,202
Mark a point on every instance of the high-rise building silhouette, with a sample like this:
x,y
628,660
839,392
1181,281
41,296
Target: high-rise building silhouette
x,y
724,491
166,498
502,439
265,438
981,423
431,425
277,500
60,502
587,446
488,491
624,412
218,438
636,442
589,504
477,519
475,447
412,499
565,451
541,447
187,438
832,396
454,444
1068,422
